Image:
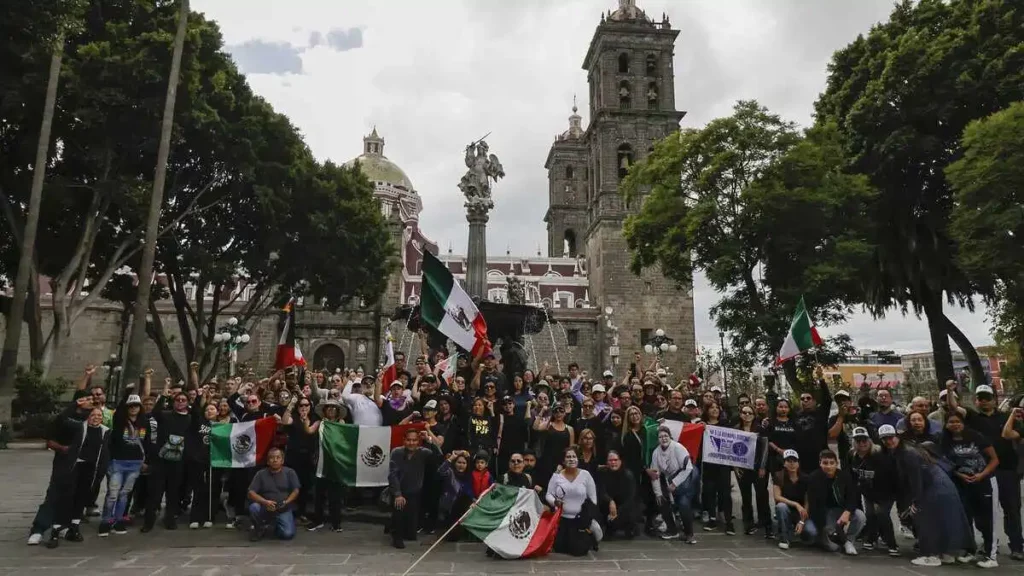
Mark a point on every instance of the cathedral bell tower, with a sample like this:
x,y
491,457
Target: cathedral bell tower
x,y
632,105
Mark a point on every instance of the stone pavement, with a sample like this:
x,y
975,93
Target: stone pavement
x,y
363,550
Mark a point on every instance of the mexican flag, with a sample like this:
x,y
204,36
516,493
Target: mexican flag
x,y
512,522
446,307
241,444
288,353
802,335
689,435
358,455
388,373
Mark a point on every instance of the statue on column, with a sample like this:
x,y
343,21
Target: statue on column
x,y
476,183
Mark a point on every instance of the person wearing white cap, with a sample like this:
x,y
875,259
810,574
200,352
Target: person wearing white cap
x,y
129,437
991,423
790,488
930,500
875,474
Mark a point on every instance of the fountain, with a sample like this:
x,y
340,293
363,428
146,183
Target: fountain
x,y
509,324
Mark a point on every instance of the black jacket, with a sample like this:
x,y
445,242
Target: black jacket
x,y
76,430
821,489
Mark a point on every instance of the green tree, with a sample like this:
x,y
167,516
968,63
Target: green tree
x,y
901,97
725,199
988,218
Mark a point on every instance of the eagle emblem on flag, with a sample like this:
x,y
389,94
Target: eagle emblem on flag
x,y
458,314
519,524
242,444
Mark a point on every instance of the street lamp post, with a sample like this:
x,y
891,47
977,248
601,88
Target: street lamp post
x,y
660,344
112,366
231,337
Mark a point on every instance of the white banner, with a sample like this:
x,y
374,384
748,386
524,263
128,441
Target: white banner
x,y
729,447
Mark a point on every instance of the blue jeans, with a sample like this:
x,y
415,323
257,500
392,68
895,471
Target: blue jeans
x,y
682,497
284,522
121,476
786,518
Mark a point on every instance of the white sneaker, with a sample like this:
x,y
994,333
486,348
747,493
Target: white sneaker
x,y
193,526
988,563
947,559
926,561
849,548
783,545
34,539
230,525
966,558
207,524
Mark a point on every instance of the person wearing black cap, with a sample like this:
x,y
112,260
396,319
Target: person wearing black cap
x,y
812,423
513,434
990,423
842,424
490,372
875,475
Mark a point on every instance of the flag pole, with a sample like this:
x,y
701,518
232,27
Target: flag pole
x,y
445,535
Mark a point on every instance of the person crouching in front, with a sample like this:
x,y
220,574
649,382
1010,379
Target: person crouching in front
x,y
271,494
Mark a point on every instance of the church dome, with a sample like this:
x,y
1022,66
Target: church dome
x,y
629,12
377,167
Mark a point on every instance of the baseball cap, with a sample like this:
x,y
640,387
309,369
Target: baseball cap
x,y
943,393
790,455
861,432
597,388
984,389
716,388
397,383
609,374
886,430
662,372
489,355
843,393
133,400
430,405
690,402
506,399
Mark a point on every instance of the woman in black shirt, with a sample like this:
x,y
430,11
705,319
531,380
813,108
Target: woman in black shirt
x,y
303,448
203,485
781,433
617,489
974,461
481,431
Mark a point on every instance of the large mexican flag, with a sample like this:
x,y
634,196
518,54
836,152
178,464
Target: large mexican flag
x,y
802,334
358,455
512,522
241,444
446,307
691,436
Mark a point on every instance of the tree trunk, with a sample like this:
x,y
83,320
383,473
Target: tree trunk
x,y
973,360
940,339
12,340
34,322
137,340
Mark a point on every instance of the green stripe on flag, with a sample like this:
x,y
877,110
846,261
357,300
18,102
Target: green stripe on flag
x,y
339,452
490,512
801,327
437,285
220,445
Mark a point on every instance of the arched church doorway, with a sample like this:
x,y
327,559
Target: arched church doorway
x,y
329,357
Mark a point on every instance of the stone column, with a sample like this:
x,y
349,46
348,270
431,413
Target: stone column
x,y
476,257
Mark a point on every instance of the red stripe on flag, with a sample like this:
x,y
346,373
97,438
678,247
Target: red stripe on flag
x,y
815,338
398,432
543,539
692,438
482,345
265,429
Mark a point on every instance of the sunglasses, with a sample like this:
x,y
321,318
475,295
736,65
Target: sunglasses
x,y
747,413
304,404
253,402
806,398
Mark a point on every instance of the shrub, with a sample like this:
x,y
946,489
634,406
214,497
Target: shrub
x,y
35,395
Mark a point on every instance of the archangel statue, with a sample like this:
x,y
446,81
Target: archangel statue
x,y
483,169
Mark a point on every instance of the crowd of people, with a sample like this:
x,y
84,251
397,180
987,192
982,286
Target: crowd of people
x,y
829,473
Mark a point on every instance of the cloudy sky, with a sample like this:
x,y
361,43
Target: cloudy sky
x,y
433,76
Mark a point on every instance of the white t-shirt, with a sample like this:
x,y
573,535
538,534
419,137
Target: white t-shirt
x,y
364,410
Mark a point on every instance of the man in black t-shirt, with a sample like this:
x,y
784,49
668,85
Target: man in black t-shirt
x,y
989,422
675,408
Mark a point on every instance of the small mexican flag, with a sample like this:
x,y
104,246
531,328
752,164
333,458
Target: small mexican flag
x,y
241,444
512,522
388,373
449,310
358,455
691,436
802,335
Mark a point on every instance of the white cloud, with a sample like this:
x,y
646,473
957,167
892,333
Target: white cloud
x,y
433,76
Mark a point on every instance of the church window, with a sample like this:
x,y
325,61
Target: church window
x,y
624,63
569,243
652,96
652,65
625,95
572,337
624,159
568,171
